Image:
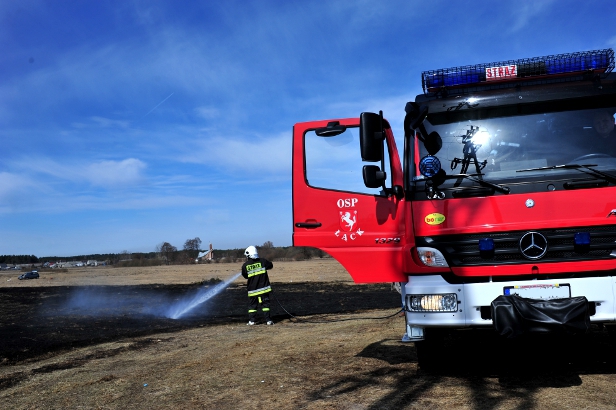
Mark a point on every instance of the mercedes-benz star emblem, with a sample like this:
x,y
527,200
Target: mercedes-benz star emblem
x,y
533,245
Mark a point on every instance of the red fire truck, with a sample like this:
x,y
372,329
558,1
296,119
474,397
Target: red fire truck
x,y
500,211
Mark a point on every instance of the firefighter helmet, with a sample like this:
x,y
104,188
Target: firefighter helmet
x,y
251,252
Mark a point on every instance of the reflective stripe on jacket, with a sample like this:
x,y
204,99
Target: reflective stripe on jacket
x,y
258,292
255,270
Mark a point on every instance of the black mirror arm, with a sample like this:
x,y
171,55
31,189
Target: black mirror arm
x,y
333,128
415,116
423,133
396,191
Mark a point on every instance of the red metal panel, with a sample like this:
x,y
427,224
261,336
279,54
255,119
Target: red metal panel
x,y
536,268
555,209
550,210
365,233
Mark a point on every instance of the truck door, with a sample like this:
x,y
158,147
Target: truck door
x,y
362,228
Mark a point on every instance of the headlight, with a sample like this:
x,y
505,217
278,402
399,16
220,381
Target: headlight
x,y
432,257
447,302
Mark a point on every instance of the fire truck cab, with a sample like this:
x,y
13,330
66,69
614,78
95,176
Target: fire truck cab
x,y
501,210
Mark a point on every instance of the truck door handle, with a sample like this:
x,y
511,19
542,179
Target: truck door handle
x,y
308,224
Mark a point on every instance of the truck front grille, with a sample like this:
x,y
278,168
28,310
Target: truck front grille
x,y
463,250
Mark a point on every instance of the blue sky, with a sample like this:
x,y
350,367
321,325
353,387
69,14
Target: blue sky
x,y
125,124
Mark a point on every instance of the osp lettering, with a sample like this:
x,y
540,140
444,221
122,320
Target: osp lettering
x,y
347,202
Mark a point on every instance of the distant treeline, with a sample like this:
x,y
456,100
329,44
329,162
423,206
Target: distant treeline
x,y
185,257
18,259
175,257
274,253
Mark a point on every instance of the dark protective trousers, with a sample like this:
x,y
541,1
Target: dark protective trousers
x,y
254,302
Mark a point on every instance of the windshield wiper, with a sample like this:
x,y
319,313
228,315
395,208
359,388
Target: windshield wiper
x,y
496,187
564,166
579,167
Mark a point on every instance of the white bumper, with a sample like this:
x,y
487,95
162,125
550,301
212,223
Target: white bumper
x,y
472,296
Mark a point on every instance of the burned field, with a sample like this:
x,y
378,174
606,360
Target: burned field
x,y
113,346
37,321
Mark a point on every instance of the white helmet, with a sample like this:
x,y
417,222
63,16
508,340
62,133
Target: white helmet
x,y
251,252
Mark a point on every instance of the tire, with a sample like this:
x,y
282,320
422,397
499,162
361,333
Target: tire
x,y
431,352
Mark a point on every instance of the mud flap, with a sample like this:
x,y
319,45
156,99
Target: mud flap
x,y
513,315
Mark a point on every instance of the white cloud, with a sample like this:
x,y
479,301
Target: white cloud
x,y
15,189
207,113
525,12
140,72
101,122
115,174
109,174
20,193
255,155
9,183
108,123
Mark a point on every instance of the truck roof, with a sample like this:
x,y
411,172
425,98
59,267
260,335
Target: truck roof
x,y
521,100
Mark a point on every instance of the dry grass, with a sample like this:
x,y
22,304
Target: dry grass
x,y
318,270
356,364
341,365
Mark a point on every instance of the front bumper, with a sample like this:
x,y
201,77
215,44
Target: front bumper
x,y
474,301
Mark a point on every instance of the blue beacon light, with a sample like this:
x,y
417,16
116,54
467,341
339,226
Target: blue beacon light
x,y
429,166
553,65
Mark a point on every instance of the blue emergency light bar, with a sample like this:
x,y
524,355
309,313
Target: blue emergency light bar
x,y
601,61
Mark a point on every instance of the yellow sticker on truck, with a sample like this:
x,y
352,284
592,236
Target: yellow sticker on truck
x,y
434,219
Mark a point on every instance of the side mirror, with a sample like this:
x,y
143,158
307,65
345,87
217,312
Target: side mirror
x,y
373,176
371,137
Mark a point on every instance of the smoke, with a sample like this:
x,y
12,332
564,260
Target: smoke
x,y
179,309
112,301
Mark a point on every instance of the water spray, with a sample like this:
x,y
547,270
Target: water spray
x,y
182,307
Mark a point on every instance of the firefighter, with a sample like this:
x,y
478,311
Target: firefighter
x,y
604,140
255,270
603,123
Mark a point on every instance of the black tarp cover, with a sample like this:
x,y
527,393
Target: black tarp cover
x,y
513,315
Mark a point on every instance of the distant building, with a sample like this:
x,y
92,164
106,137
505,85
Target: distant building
x,y
206,255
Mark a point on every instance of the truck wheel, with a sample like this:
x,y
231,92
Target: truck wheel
x,y
431,352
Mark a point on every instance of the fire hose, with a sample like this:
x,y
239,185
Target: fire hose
x,y
333,320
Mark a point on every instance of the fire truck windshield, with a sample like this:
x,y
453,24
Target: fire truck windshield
x,y
495,148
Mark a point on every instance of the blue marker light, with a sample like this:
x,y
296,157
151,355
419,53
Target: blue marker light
x,y
582,238
486,245
581,242
429,166
486,248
